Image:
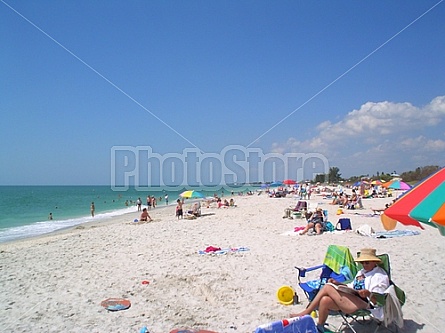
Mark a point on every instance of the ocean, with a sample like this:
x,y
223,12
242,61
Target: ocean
x,y
24,210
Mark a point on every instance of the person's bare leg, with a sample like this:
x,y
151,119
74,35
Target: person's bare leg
x,y
326,304
306,229
318,228
345,302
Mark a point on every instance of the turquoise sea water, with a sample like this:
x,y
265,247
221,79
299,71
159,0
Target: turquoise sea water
x,y
24,210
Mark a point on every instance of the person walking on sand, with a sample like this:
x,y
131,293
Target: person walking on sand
x,y
92,209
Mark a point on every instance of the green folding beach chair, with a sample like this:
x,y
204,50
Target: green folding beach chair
x,y
391,301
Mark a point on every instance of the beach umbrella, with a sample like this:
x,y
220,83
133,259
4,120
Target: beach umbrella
x,y
388,183
424,203
360,182
377,182
398,185
289,182
192,194
276,184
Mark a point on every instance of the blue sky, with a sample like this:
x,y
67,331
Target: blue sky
x,y
361,82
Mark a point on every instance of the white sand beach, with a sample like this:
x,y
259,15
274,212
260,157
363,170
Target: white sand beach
x,y
56,283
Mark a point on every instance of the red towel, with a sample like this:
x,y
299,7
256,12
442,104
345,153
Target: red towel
x,y
212,249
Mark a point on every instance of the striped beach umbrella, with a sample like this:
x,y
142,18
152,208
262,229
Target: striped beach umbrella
x,y
191,194
399,185
424,203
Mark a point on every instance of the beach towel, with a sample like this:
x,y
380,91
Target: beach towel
x,y
294,232
340,260
213,250
392,309
365,230
395,233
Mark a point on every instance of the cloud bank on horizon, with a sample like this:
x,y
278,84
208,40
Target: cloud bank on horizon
x,y
379,135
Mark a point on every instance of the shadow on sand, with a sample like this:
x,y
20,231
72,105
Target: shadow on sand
x,y
409,326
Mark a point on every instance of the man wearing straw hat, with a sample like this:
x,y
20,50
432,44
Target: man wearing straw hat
x,y
370,279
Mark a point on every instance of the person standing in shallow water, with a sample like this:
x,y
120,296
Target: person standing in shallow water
x,y
139,204
92,209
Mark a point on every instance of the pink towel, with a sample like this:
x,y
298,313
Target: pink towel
x,y
212,249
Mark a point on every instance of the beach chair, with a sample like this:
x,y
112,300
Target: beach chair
x,y
343,224
391,302
338,264
297,211
301,205
300,209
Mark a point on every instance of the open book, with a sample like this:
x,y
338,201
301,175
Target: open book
x,y
345,289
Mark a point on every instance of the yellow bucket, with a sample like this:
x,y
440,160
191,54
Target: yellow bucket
x,y
285,295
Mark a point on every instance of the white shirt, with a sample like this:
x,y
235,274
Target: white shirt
x,y
376,281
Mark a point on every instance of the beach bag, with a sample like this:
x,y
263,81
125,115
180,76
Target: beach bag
x,y
329,226
365,230
343,224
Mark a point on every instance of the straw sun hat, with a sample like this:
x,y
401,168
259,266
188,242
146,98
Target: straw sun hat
x,y
367,255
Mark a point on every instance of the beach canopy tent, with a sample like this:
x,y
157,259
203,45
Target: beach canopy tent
x,y
424,203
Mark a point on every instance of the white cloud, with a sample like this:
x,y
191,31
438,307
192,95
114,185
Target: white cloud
x,y
380,135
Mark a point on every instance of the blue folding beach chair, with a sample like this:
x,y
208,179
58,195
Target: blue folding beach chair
x,y
338,264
